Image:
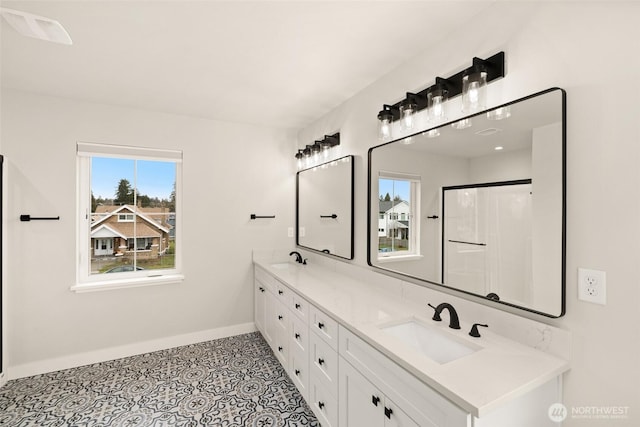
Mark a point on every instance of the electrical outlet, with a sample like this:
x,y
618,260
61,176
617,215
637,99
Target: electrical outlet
x,y
290,232
592,286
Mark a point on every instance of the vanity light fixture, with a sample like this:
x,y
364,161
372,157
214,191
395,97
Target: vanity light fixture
x,y
474,87
437,95
470,83
311,153
408,108
386,117
299,159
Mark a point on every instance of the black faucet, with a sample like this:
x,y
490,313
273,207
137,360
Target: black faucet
x,y
454,323
298,256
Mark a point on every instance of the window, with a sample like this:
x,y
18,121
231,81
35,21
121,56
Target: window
x,y
398,227
128,216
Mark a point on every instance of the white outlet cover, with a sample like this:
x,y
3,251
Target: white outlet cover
x,y
592,286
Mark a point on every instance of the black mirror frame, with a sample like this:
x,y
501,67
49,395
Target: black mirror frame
x,y
352,219
564,208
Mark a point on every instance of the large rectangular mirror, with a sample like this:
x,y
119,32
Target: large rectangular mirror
x,y
477,205
324,208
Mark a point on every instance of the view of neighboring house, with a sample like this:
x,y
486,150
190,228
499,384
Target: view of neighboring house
x,y
119,230
393,219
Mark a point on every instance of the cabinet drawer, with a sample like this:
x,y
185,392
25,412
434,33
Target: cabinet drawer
x,y
299,334
280,316
323,403
299,370
281,348
324,326
283,294
265,279
323,363
417,400
300,307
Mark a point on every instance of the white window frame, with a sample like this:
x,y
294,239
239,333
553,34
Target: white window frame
x,y
85,281
414,214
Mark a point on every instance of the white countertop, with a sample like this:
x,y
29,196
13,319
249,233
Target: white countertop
x,y
502,370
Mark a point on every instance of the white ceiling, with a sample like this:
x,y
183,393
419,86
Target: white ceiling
x,y
283,64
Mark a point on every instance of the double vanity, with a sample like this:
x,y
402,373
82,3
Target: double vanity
x,y
474,207
362,355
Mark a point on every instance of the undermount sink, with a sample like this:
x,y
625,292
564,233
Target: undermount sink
x,y
439,346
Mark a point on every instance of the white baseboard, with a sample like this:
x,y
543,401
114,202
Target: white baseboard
x,y
103,355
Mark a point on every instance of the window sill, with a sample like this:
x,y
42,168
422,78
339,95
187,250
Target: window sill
x,y
131,282
399,258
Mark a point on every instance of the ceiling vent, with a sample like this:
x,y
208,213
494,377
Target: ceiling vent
x,y
35,26
488,131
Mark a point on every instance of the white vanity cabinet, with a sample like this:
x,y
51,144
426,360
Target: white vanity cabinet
x,y
375,391
348,382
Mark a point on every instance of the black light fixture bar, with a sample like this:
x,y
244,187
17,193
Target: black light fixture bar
x,y
494,66
327,142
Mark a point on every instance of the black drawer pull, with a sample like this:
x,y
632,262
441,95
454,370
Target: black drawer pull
x,y
261,289
297,336
279,317
280,292
297,372
375,400
280,349
320,325
320,361
320,405
388,412
297,306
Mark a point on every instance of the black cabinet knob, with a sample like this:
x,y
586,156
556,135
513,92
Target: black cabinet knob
x,y
320,361
388,412
297,336
280,292
261,289
279,317
375,400
297,372
320,405
320,325
280,349
297,306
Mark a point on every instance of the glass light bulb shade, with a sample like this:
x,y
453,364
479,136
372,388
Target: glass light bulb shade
x,y
499,113
384,129
436,105
407,116
474,91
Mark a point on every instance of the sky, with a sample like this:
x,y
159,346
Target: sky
x,y
154,179
394,188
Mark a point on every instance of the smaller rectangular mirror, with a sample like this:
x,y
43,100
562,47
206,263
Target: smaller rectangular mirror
x,y
324,208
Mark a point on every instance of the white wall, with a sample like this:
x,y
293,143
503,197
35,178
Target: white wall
x,y
588,49
230,171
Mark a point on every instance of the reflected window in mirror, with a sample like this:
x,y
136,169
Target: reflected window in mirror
x,y
398,208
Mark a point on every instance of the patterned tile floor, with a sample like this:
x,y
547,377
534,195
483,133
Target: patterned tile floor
x,y
228,382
